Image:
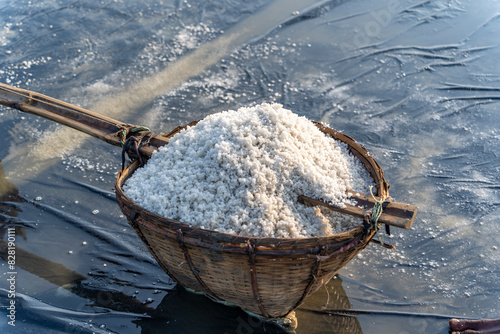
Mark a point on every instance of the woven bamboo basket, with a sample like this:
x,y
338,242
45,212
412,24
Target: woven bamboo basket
x,y
269,277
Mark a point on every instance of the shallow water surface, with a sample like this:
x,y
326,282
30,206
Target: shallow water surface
x,y
416,82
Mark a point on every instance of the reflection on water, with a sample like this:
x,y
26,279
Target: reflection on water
x,y
9,196
323,313
416,82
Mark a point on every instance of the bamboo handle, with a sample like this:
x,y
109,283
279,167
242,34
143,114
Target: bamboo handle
x,y
86,121
394,214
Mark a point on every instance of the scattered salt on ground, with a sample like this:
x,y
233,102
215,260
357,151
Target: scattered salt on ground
x,y
241,171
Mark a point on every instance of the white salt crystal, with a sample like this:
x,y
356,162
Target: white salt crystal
x,y
241,171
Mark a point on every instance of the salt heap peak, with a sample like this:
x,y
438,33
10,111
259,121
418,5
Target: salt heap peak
x,y
240,172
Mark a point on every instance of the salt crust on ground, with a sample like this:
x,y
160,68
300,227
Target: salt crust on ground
x,y
240,172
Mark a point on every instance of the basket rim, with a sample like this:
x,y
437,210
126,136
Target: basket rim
x,y
166,225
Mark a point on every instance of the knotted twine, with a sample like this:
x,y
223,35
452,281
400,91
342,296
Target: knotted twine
x,y
134,143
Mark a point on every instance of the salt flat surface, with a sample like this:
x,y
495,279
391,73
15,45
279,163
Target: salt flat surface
x,y
416,82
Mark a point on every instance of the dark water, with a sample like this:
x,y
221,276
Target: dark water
x,y
416,82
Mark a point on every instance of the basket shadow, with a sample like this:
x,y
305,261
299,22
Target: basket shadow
x,y
181,311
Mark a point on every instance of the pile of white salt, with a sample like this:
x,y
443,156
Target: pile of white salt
x,y
240,172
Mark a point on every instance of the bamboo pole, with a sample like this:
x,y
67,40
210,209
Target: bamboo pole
x,y
86,121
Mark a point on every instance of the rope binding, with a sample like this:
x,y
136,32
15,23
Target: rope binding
x,y
133,138
370,221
